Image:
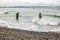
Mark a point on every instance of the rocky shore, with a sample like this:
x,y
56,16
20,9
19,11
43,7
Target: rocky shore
x,y
17,34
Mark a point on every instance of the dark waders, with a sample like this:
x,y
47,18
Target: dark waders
x,y
40,15
17,15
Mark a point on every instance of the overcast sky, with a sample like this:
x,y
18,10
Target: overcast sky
x,y
29,2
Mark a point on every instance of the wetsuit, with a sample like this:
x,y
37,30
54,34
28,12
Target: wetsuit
x,y
17,16
40,16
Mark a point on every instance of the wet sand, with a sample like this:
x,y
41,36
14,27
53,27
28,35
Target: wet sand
x,y
17,34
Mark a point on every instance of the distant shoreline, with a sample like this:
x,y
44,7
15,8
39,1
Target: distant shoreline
x,y
29,6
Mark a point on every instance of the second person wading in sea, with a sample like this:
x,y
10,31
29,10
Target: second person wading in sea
x,y
17,15
40,15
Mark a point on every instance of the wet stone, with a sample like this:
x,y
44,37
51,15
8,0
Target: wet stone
x,y
14,34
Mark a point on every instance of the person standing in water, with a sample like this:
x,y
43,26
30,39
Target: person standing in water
x,y
40,15
17,15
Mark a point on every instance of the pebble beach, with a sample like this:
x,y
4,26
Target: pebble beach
x,y
17,34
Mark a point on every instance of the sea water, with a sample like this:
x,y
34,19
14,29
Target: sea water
x,y
29,19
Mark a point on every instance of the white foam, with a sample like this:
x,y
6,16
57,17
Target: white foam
x,y
45,21
3,23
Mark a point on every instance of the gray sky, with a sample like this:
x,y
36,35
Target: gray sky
x,y
29,2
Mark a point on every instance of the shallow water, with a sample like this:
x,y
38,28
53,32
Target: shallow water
x,y
28,19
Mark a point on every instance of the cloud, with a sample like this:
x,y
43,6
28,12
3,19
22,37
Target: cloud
x,y
29,2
